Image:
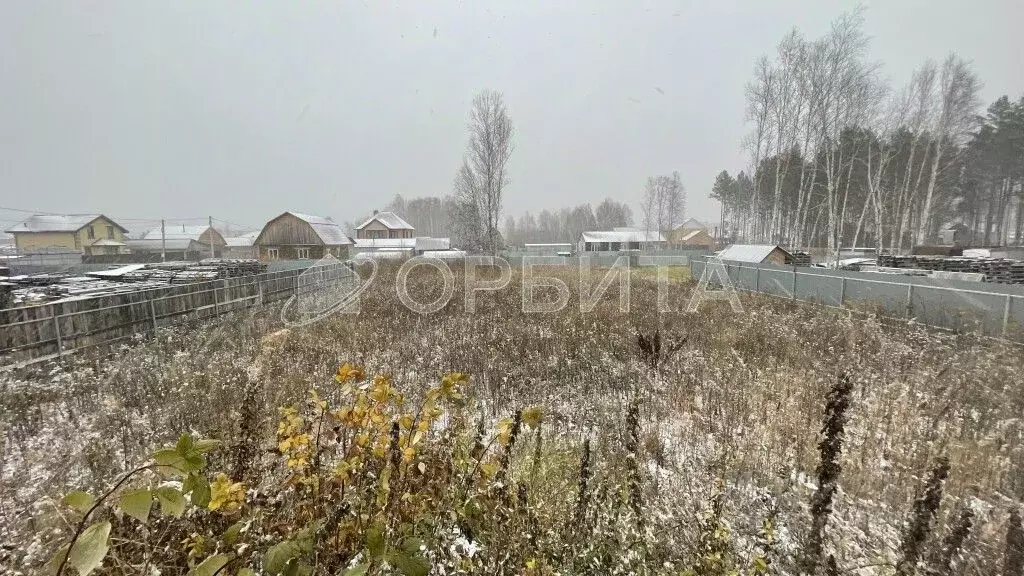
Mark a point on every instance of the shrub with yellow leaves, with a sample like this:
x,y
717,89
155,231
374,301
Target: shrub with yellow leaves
x,y
226,496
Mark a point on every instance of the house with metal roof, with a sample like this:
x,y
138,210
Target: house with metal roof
x,y
205,235
169,249
756,254
240,246
697,237
621,239
53,233
295,236
384,225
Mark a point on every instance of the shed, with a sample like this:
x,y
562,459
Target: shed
x,y
620,239
548,249
756,254
295,236
956,235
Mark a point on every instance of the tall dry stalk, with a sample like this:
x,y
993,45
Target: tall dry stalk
x,y
829,468
1013,554
926,507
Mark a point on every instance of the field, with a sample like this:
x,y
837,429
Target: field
x,y
782,439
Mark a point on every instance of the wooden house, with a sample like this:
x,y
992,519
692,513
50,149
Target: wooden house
x,y
294,236
384,225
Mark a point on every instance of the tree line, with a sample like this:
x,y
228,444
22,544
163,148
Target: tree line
x,y
839,158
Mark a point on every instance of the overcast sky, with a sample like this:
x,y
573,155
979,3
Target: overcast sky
x,y
242,110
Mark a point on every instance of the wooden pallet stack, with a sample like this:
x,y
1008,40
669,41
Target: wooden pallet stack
x,y
998,270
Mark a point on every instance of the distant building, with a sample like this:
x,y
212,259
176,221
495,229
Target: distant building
x,y
384,225
157,249
204,235
693,238
44,233
756,254
294,236
621,239
399,247
548,249
956,235
241,246
694,224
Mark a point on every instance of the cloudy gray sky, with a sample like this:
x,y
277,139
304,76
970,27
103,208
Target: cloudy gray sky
x,y
242,110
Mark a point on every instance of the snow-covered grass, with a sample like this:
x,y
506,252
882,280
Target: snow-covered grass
x,y
730,416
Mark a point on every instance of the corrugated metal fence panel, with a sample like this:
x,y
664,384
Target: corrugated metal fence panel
x,y
951,304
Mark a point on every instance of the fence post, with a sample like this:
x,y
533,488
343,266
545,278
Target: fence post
x,y
842,291
259,284
793,286
757,279
60,342
910,300
216,304
152,314
1006,316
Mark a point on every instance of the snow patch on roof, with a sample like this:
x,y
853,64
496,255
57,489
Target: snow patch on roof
x,y
755,253
623,235
325,228
389,219
56,223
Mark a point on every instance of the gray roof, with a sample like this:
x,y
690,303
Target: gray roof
x,y
236,241
150,244
176,231
427,243
326,229
623,235
755,253
57,223
389,219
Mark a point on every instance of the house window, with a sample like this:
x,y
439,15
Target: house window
x,y
110,232
272,253
90,232
302,253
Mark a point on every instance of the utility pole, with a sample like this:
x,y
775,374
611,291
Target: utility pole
x,y
163,242
210,234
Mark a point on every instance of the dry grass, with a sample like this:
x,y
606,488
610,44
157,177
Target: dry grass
x,y
738,405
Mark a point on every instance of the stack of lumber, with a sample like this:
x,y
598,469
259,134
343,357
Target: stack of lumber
x,y
800,259
234,267
999,270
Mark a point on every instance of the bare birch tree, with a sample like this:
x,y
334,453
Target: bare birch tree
x,y
481,180
958,100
